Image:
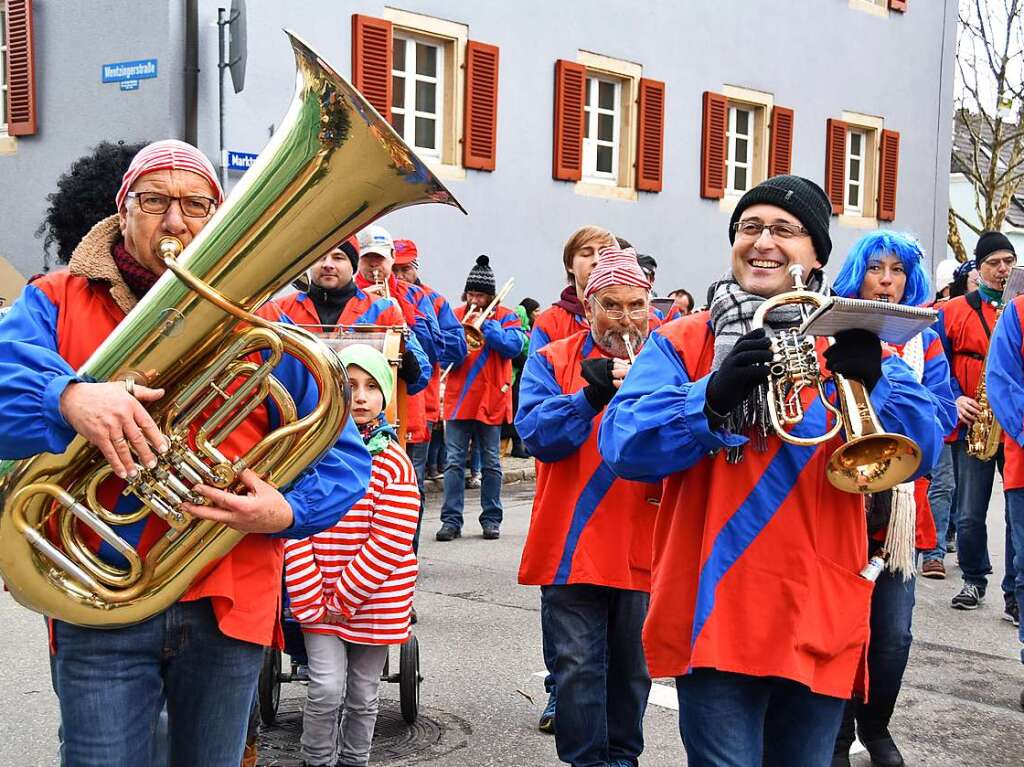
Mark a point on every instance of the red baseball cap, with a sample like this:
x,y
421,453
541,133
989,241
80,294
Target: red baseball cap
x,y
405,252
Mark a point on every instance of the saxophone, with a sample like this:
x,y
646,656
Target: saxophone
x,y
332,168
984,435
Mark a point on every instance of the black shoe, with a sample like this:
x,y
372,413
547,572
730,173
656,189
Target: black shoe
x,y
1022,698
448,533
969,598
951,545
412,616
1012,611
841,761
491,532
884,753
520,451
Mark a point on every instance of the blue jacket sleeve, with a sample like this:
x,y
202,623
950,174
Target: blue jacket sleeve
x,y
655,424
412,343
538,339
947,347
937,380
905,406
453,339
551,423
427,331
1004,378
33,377
505,337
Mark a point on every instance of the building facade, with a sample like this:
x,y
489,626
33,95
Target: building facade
x,y
649,119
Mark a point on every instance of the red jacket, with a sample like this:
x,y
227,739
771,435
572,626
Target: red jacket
x,y
966,343
587,525
480,389
554,324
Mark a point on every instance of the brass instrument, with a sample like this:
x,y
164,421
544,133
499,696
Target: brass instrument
x,y
474,318
871,459
629,347
985,435
333,167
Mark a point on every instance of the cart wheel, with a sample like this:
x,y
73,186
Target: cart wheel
x,y
269,686
409,679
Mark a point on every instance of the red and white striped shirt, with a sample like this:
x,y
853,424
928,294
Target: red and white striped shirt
x,y
364,567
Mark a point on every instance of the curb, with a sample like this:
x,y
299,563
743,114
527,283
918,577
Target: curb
x,y
510,476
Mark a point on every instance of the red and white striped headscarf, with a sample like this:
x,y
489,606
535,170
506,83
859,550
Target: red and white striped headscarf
x,y
169,154
615,267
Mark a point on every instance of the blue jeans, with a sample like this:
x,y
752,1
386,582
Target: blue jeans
x,y
892,608
112,684
417,452
475,458
436,454
600,672
1015,521
940,498
734,720
974,489
457,436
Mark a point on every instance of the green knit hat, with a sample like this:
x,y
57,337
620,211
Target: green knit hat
x,y
374,363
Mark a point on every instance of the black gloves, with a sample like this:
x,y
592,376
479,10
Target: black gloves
x,y
856,354
745,367
409,371
598,375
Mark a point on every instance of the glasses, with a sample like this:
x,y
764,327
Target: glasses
x,y
618,314
192,206
995,263
753,230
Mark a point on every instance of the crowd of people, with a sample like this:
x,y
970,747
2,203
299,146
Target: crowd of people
x,y
674,533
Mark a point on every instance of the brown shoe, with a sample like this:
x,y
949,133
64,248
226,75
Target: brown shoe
x,y
935,569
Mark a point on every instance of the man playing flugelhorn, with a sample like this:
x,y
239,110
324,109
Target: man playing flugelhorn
x,y
965,325
757,607
589,543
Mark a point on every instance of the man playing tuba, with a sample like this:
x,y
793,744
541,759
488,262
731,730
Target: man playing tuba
x,y
203,654
757,607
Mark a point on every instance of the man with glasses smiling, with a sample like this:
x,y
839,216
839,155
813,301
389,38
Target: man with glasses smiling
x,y
757,607
965,327
589,543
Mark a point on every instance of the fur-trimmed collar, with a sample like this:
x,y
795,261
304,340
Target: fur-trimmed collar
x,y
92,259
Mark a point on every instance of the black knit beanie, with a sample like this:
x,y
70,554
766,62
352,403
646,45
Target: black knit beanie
x,y
799,196
989,243
481,277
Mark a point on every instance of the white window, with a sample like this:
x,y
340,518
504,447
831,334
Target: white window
x,y
856,144
417,100
739,159
601,116
3,67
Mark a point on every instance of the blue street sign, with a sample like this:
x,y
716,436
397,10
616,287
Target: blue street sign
x,y
143,69
240,160
129,85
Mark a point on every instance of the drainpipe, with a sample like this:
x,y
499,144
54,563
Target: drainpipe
x,y
192,72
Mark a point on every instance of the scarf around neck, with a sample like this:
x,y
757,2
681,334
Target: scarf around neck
x,y
137,277
990,295
732,313
377,434
569,301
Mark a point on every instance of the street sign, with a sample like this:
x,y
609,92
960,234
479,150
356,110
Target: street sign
x,y
240,161
129,85
143,69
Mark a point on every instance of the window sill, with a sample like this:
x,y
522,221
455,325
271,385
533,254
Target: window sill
x,y
8,144
606,191
446,172
868,7
858,222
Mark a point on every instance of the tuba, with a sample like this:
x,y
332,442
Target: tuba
x,y
871,459
333,167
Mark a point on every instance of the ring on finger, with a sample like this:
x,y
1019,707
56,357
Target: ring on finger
x,y
129,386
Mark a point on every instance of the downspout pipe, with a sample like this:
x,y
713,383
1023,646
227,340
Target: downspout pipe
x,y
191,89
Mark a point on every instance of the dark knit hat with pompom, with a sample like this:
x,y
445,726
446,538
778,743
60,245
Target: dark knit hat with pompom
x,y
481,277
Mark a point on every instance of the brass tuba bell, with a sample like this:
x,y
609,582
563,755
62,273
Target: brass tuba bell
x,y
871,459
333,167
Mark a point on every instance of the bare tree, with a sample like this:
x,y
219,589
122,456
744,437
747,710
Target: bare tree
x,y
989,112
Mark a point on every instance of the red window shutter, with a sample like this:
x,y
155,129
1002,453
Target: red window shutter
x,y
570,82
21,75
835,164
712,146
371,61
780,145
651,132
888,173
480,131
898,5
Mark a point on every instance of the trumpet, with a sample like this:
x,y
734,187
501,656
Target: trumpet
x,y
629,347
474,318
871,459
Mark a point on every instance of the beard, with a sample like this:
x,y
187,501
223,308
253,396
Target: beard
x,y
611,342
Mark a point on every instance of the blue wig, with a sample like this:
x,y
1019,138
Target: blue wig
x,y
872,248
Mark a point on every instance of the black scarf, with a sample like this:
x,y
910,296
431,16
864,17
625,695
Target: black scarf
x,y
329,302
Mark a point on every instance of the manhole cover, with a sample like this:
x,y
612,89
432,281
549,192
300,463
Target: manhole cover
x,y
392,738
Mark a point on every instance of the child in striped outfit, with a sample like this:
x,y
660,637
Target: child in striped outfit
x,y
351,586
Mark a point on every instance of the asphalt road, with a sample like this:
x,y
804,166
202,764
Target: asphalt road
x,y
479,634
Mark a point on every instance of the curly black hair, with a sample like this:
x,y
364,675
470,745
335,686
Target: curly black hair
x,y
85,195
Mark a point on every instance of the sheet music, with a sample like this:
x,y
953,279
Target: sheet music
x,y
895,323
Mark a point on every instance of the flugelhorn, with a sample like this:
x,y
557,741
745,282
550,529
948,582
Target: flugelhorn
x,y
333,167
871,459
473,319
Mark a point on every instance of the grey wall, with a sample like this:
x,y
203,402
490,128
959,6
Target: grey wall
x,y
818,58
